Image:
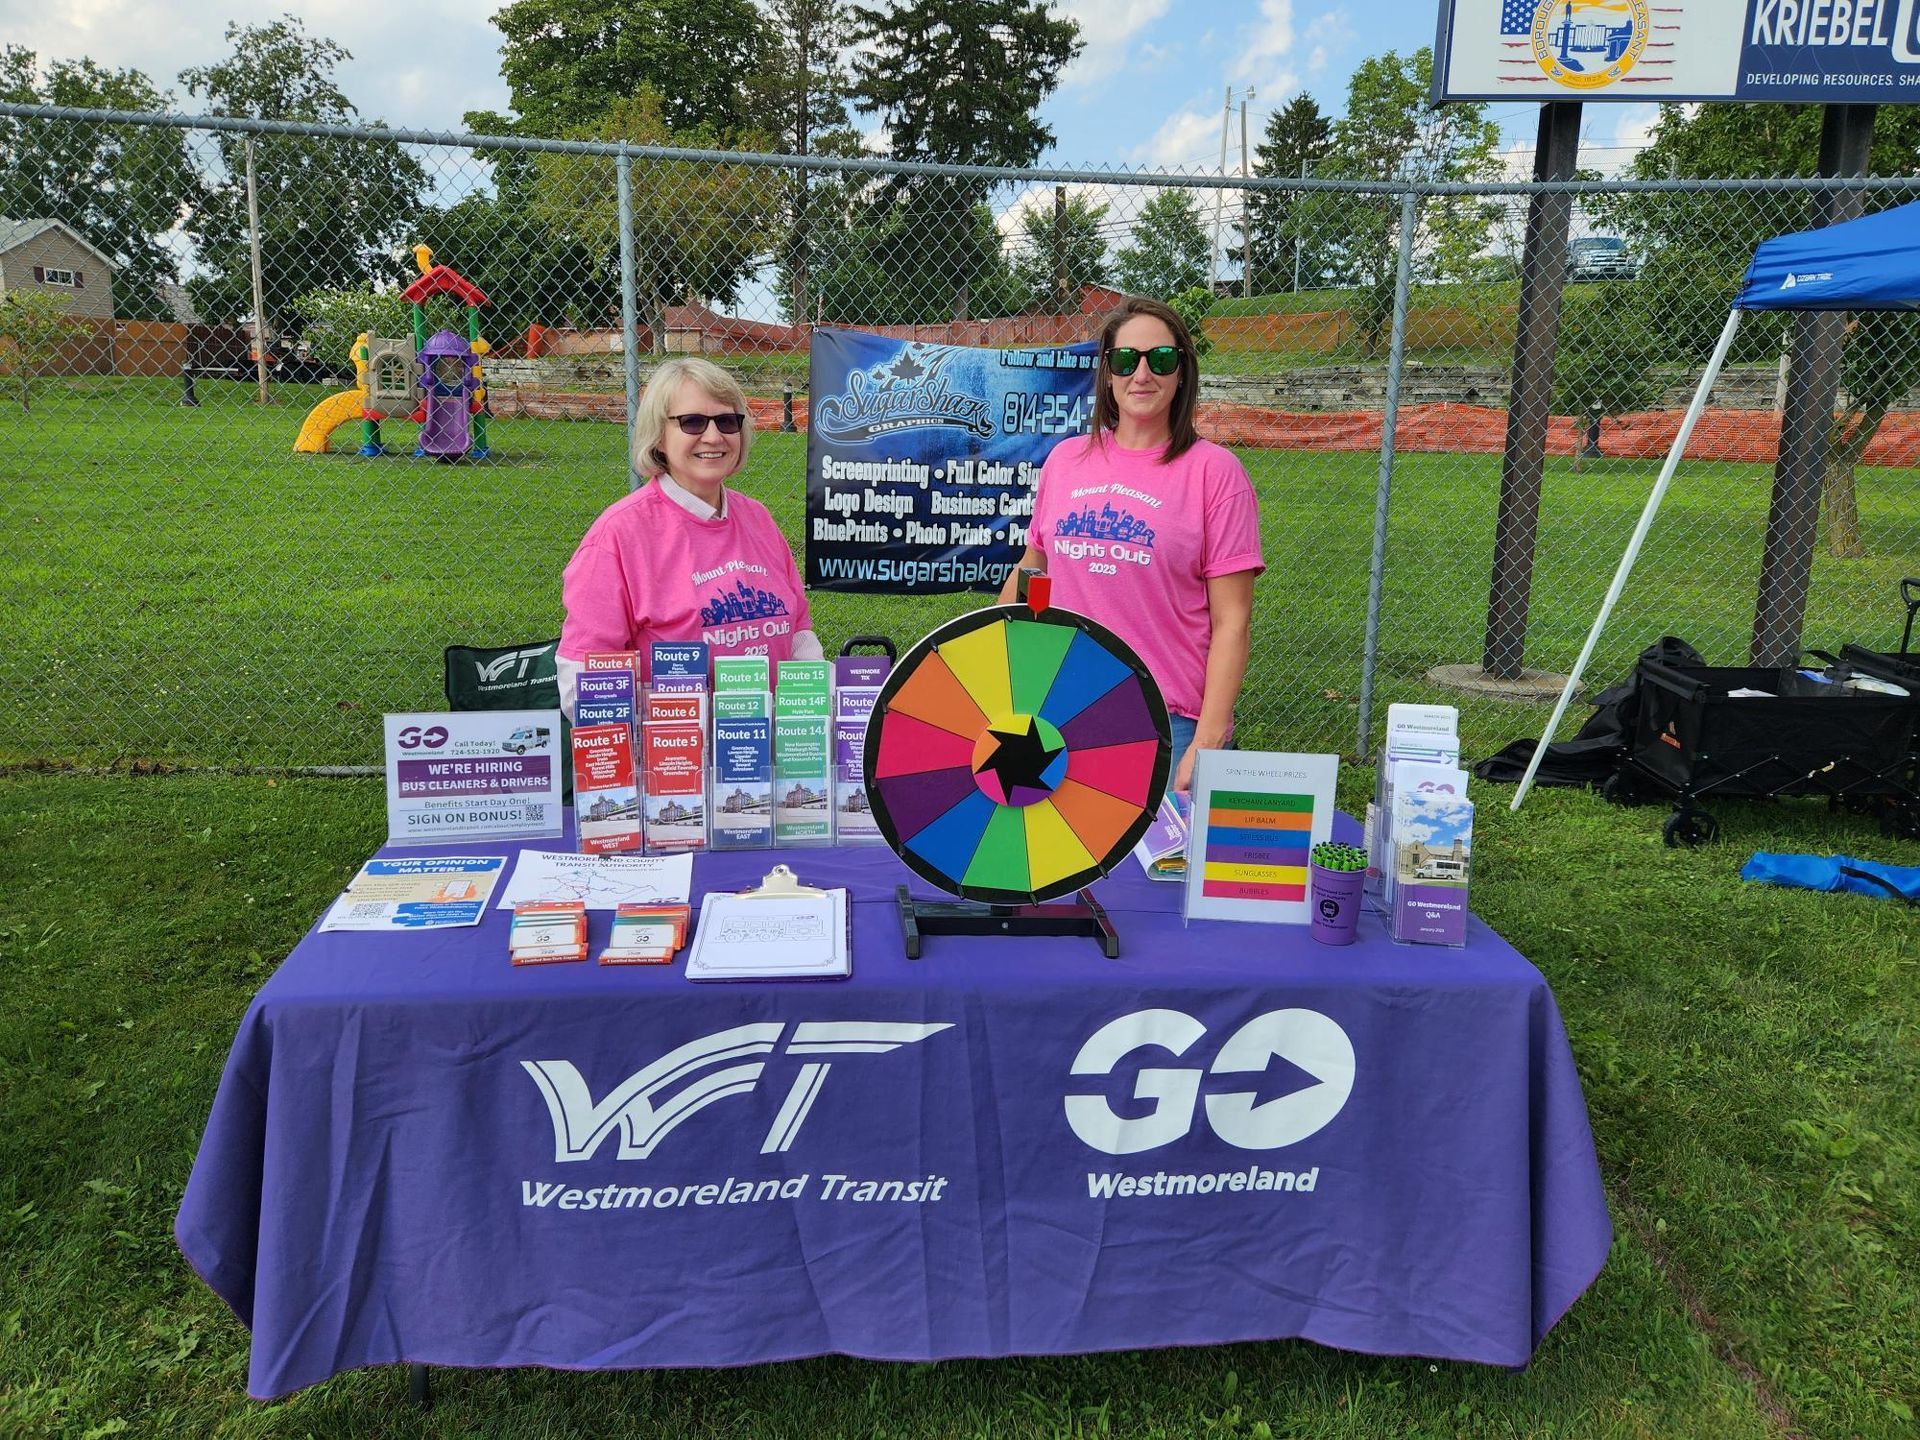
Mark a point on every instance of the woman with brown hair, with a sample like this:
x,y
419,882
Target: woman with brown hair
x,y
1152,531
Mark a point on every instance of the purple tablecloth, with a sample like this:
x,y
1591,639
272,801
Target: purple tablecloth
x,y
1012,1146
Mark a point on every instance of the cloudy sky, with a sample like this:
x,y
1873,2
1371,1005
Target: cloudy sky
x,y
1148,91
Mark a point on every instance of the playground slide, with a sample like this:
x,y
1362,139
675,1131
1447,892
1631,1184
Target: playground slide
x,y
326,417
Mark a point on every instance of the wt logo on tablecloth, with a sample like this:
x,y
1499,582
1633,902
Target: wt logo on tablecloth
x,y
1315,1064
700,1073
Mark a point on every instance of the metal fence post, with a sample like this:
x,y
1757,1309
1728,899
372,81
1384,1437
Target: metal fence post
x,y
1390,415
629,306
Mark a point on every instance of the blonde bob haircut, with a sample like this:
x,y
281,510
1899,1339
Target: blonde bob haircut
x,y
650,417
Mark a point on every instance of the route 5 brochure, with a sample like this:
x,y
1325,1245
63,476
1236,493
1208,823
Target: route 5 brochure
x,y
416,893
606,801
675,755
462,776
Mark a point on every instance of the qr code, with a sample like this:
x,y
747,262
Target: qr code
x,y
536,814
366,910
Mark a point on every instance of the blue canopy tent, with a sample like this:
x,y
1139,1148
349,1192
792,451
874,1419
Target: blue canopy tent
x,y
1868,263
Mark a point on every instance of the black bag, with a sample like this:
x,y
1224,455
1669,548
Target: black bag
x,y
1597,748
511,677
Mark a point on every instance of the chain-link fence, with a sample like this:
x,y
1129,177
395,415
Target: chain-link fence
x,y
217,554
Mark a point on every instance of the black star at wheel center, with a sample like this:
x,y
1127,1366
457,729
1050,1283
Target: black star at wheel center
x,y
1021,757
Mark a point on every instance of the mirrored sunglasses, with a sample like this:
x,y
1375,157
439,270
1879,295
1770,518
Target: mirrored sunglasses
x,y
1161,359
697,424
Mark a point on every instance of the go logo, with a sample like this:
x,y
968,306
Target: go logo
x,y
414,738
1304,1038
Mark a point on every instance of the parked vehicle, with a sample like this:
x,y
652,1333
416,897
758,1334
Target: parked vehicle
x,y
1600,257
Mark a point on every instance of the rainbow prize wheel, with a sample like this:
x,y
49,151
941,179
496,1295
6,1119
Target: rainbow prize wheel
x,y
1016,755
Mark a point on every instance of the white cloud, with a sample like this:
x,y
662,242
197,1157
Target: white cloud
x,y
1265,41
1183,141
1108,27
386,78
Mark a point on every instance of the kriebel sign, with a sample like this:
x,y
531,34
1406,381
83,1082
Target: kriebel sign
x,y
922,459
1830,51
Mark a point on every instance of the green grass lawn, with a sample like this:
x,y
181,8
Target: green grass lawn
x,y
1749,1056
181,587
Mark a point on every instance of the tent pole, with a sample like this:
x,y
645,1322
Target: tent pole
x,y
1647,513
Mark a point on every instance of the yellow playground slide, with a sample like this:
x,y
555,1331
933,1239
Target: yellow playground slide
x,y
326,417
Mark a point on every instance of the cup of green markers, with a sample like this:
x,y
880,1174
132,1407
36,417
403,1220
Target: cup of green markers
x,y
1336,875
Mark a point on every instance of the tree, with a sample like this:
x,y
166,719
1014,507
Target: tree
x,y
801,100
1279,245
1603,365
699,229
1393,131
567,63
1062,249
333,213
958,82
1695,248
1193,305
1170,248
531,274
33,327
121,186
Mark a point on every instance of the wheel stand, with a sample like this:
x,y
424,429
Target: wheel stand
x,y
1080,916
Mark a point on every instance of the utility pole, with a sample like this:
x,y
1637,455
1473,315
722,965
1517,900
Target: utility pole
x,y
1060,249
1293,214
259,288
1219,196
1246,206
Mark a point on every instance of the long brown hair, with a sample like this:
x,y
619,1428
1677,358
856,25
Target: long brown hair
x,y
1106,410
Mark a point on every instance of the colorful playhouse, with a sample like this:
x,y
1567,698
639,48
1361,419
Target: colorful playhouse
x,y
435,381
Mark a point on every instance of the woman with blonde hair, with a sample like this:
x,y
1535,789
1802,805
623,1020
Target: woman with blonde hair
x,y
684,557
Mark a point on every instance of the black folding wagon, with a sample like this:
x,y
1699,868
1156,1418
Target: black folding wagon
x,y
1707,732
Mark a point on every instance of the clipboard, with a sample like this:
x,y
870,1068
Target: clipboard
x,y
776,930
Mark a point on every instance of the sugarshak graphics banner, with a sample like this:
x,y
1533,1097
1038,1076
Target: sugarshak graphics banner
x,y
922,459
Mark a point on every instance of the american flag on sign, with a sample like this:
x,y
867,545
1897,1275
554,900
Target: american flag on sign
x,y
1516,17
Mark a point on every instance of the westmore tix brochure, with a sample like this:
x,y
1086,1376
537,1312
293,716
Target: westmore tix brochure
x,y
742,672
1425,894
802,780
1256,816
426,892
675,753
1416,734
604,697
742,783
473,775
861,672
679,665
853,821
683,707
1162,850
606,797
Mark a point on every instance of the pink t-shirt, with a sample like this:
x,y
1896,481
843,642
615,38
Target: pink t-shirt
x,y
1132,543
649,570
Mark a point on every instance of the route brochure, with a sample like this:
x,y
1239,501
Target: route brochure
x,y
461,776
606,799
742,781
1256,815
416,893
802,741
853,822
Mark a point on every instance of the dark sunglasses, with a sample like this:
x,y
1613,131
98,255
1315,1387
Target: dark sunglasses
x,y
697,424
1161,359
